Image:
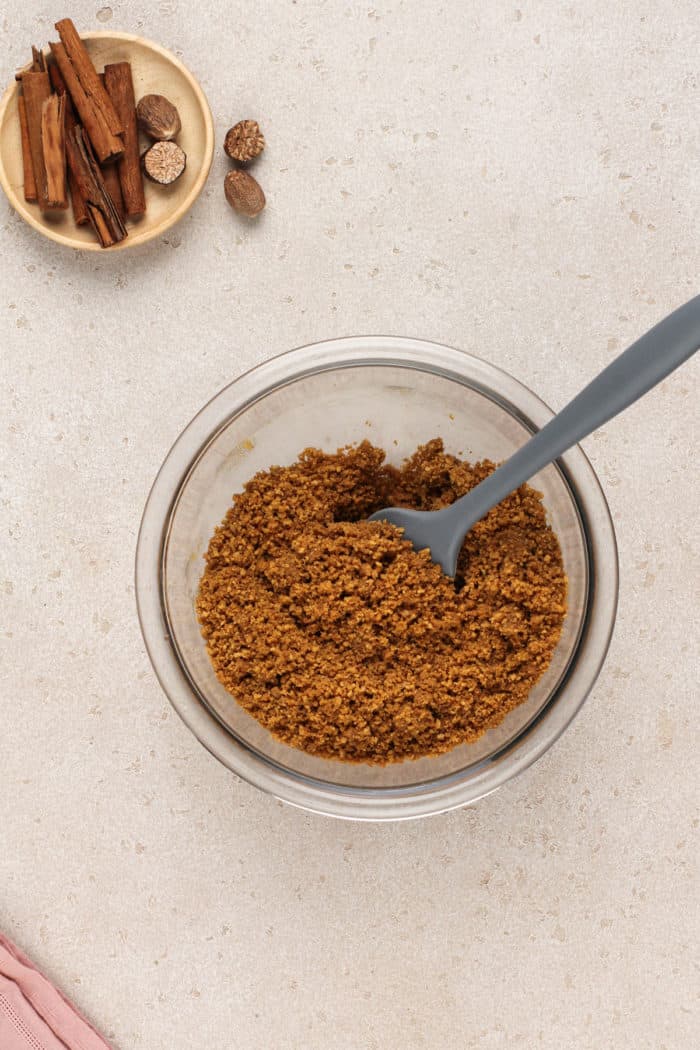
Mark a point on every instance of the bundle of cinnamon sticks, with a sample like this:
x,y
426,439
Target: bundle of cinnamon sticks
x,y
80,137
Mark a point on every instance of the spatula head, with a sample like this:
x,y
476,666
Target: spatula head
x,y
429,529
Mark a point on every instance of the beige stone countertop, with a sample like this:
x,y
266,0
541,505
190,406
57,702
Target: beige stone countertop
x,y
519,180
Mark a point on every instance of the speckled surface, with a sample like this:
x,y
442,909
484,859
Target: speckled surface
x,y
518,182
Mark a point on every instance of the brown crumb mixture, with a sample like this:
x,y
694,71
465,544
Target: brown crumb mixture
x,y
342,640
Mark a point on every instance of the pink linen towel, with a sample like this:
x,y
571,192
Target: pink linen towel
x,y
33,1014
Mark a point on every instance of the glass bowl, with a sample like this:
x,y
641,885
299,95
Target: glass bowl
x,y
398,393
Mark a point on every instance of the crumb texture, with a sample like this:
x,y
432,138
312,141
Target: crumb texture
x,y
343,641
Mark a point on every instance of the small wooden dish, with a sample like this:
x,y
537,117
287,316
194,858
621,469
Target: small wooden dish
x,y
154,70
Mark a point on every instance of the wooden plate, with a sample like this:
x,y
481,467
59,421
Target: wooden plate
x,y
154,70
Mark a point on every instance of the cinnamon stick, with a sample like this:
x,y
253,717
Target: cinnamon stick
x,y
90,99
36,89
120,87
113,187
59,86
29,181
101,210
38,61
80,213
53,142
38,64
110,175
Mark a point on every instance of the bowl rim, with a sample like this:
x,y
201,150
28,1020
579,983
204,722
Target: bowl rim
x,y
18,203
430,797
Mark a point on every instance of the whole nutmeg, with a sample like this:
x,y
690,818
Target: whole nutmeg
x,y
158,117
244,141
243,193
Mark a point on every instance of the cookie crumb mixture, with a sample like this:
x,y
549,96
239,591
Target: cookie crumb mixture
x,y
343,641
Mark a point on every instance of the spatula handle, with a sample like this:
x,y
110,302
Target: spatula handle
x,y
639,368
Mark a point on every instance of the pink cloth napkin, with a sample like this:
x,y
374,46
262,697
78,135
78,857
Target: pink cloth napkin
x,y
33,1014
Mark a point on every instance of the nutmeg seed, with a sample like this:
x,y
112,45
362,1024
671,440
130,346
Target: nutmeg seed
x,y
244,141
158,117
243,193
164,162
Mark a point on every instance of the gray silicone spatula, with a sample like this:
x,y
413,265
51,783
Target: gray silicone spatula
x,y
638,369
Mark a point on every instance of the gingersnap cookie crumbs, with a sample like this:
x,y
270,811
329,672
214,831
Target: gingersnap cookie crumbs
x,y
343,641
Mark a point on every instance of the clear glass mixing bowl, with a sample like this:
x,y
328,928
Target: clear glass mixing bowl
x,y
398,393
